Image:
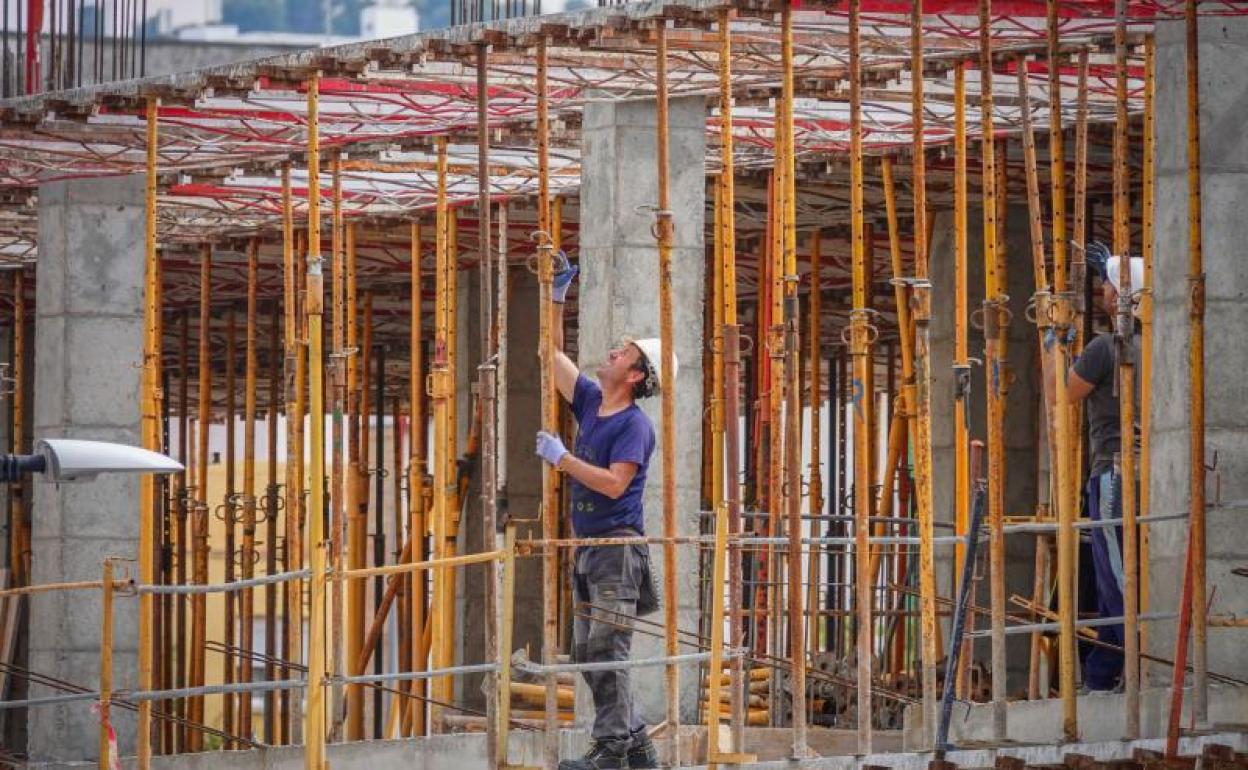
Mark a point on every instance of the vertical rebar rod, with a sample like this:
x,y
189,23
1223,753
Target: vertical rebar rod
x,y
1196,374
667,392
860,351
314,306
1125,344
150,433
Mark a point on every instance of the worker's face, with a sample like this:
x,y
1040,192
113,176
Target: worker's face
x,y
621,365
1109,298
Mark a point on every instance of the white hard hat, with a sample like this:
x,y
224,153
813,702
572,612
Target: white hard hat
x,y
1113,267
652,352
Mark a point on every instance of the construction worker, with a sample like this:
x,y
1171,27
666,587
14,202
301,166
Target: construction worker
x,y
1091,380
612,584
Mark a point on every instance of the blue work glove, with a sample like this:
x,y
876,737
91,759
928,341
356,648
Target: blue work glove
x,y
565,274
550,448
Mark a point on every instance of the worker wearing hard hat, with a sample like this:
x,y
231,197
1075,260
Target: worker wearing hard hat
x,y
1091,381
612,584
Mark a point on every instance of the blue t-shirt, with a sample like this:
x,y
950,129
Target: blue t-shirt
x,y
624,437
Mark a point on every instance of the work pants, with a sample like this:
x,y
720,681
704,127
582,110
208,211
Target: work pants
x,y
606,584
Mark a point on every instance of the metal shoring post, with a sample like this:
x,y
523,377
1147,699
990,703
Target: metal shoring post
x,y
666,393
1146,325
549,409
732,373
1077,269
1124,335
417,526
228,511
507,596
247,604
314,307
293,355
19,537
273,502
356,491
106,666
993,319
441,427
1042,298
506,584
175,734
920,299
199,526
712,716
1196,384
860,351
150,435
908,398
339,387
488,370
815,398
961,362
793,401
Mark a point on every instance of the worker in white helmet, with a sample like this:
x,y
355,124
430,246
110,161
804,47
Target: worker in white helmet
x,y
612,584
1091,381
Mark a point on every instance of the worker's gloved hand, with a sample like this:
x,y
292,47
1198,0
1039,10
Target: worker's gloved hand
x,y
565,274
550,448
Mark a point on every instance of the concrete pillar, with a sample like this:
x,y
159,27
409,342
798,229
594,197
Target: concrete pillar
x,y
1224,171
1022,405
87,349
619,296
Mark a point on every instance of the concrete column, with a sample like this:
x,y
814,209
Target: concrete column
x,y
1021,412
619,296
1224,171
87,349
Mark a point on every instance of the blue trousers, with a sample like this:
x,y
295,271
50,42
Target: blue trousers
x,y
1102,668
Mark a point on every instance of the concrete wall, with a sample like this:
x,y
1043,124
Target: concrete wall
x,y
1021,412
1224,170
88,346
619,296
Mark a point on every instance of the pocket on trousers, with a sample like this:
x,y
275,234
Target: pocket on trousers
x,y
648,599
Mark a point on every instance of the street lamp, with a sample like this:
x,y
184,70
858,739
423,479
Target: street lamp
x,y
69,459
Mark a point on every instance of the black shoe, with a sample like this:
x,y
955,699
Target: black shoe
x,y
607,754
642,752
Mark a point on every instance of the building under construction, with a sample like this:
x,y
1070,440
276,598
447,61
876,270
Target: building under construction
x,y
322,282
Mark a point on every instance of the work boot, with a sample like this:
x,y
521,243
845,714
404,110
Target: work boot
x,y
604,754
642,752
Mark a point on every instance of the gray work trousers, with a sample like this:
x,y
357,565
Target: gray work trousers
x,y
608,578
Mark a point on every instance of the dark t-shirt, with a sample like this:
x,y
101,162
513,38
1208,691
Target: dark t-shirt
x,y
1098,366
624,437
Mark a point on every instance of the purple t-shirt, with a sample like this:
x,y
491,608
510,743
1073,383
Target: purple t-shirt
x,y
624,437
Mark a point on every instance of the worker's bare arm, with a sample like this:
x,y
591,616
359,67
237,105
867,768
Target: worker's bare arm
x,y
565,370
612,481
1077,388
